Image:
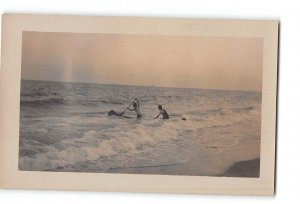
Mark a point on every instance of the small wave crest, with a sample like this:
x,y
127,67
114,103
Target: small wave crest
x,y
247,108
56,101
111,102
44,102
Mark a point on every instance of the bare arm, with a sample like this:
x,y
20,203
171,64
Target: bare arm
x,y
157,116
137,102
130,109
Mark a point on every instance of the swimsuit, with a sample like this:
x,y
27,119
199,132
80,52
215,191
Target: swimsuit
x,y
164,113
138,112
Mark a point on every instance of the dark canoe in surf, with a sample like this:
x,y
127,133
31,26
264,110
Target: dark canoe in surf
x,y
112,112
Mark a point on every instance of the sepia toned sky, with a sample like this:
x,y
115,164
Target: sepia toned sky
x,y
150,60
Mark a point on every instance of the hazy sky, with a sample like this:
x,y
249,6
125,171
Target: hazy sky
x,y
173,61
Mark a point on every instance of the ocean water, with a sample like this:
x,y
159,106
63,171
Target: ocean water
x,y
65,127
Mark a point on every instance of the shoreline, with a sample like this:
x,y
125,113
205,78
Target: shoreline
x,y
242,161
242,169
239,169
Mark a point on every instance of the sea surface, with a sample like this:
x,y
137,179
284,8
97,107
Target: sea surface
x,y
64,126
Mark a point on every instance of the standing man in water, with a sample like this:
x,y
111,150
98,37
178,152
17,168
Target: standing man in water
x,y
162,112
136,108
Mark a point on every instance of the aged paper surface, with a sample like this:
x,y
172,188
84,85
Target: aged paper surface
x,y
13,27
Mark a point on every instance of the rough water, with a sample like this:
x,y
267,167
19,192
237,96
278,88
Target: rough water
x,y
65,127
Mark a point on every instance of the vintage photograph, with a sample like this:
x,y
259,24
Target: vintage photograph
x,y
141,104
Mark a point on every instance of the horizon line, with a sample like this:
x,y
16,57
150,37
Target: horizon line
x,y
86,82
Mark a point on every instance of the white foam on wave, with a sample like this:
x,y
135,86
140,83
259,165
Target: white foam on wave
x,y
123,139
95,144
127,136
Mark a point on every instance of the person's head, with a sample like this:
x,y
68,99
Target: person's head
x,y
159,107
134,105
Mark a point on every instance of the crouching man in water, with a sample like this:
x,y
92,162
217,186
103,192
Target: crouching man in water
x,y
136,108
162,112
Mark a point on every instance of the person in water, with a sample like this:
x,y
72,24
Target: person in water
x,y
136,108
162,112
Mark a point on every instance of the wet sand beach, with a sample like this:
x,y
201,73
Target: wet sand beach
x,y
248,168
240,161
